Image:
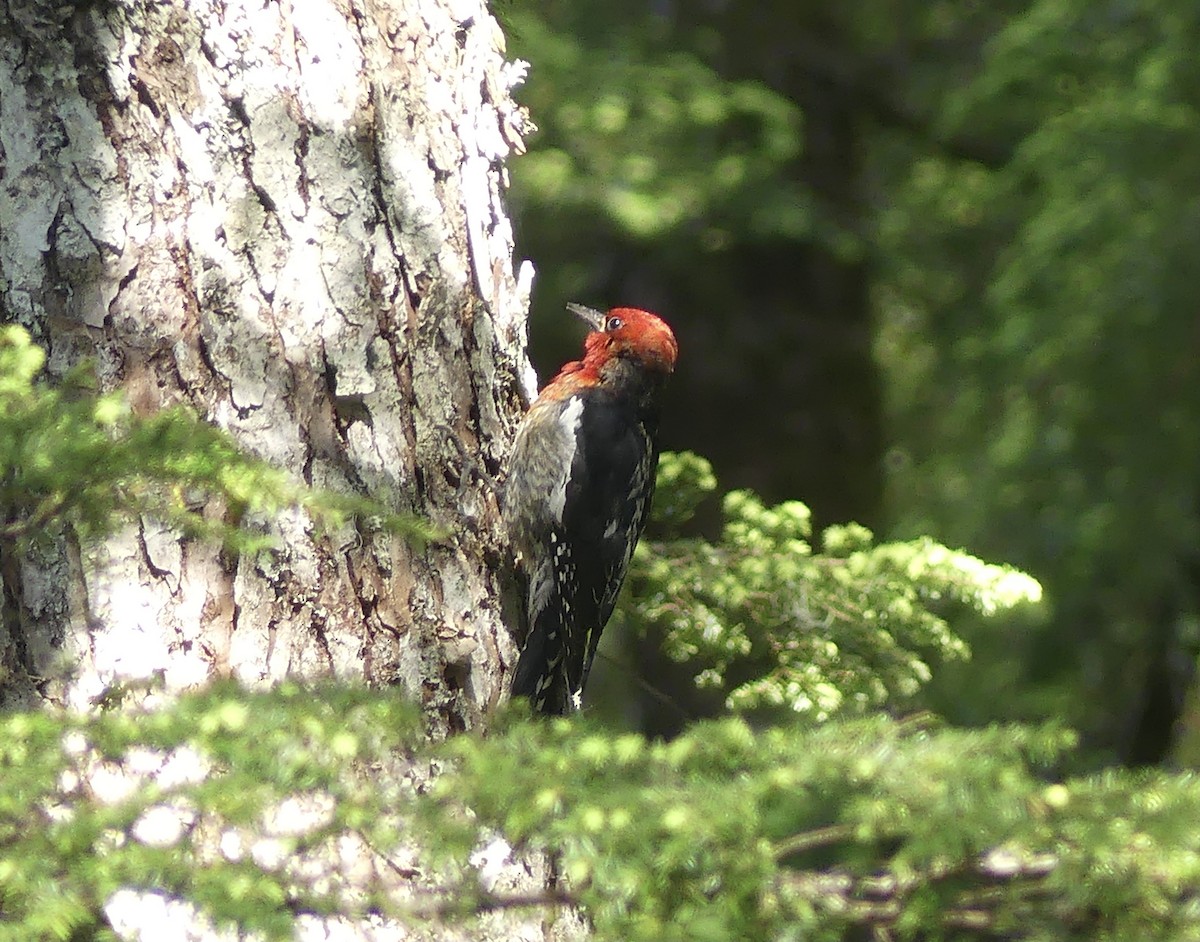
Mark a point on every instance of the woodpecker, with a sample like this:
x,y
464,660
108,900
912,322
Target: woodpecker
x,y
577,495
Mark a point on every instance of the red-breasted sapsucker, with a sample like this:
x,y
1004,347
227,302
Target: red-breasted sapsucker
x,y
577,495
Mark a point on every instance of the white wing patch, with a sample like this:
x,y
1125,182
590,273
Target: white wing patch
x,y
568,420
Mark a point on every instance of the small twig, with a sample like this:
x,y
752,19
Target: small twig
x,y
494,902
48,508
811,840
659,695
470,902
877,900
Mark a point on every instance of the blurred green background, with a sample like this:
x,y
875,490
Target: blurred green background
x,y
932,267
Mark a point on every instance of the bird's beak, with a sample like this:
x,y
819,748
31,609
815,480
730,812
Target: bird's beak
x,y
593,318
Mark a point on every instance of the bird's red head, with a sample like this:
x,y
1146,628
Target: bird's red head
x,y
628,332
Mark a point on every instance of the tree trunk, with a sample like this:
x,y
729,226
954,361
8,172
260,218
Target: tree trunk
x,y
289,217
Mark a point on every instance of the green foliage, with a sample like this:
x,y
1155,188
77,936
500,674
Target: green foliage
x,y
153,799
1039,337
240,802
68,454
776,621
652,138
727,833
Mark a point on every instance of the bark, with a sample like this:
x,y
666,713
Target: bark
x,y
287,215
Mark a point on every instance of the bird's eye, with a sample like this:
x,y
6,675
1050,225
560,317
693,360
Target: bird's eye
x,y
614,323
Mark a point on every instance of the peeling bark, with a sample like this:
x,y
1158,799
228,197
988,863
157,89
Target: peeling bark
x,y
289,217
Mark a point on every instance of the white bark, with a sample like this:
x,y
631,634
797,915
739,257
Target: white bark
x,y
289,216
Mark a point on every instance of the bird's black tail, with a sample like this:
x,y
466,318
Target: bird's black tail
x,y
552,647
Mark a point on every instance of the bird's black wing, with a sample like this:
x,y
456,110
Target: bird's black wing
x,y
607,501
